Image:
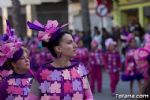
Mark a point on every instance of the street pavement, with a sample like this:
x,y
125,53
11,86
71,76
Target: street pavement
x,y
122,88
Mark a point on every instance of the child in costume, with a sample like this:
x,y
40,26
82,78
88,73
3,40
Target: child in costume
x,y
38,55
131,72
13,55
96,64
141,57
82,52
112,63
60,79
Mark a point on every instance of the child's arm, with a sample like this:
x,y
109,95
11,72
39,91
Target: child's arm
x,y
35,92
87,91
3,87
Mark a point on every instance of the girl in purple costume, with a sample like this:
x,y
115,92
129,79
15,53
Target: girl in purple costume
x,y
13,55
17,85
142,57
60,79
112,64
38,55
131,70
96,64
82,53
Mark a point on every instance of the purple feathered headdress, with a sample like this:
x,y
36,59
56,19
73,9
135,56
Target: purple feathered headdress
x,y
45,31
9,44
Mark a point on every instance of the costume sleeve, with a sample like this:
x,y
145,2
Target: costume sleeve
x,y
3,87
87,91
35,91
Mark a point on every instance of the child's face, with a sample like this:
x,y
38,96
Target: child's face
x,y
94,46
23,63
111,47
132,43
67,46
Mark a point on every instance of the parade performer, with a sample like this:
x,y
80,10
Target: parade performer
x,y
61,79
96,64
13,55
142,57
82,52
112,63
131,72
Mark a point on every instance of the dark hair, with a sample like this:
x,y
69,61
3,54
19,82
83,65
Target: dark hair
x,y
17,55
54,41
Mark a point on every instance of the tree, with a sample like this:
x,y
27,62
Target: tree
x,y
85,22
17,18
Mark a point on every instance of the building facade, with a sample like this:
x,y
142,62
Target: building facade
x,y
129,11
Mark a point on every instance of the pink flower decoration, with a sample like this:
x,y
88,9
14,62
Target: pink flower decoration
x,y
140,53
74,73
45,74
10,72
143,53
43,36
11,89
18,90
54,97
55,88
9,44
51,26
4,73
18,98
66,75
45,97
45,31
8,48
11,82
24,82
67,87
77,96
